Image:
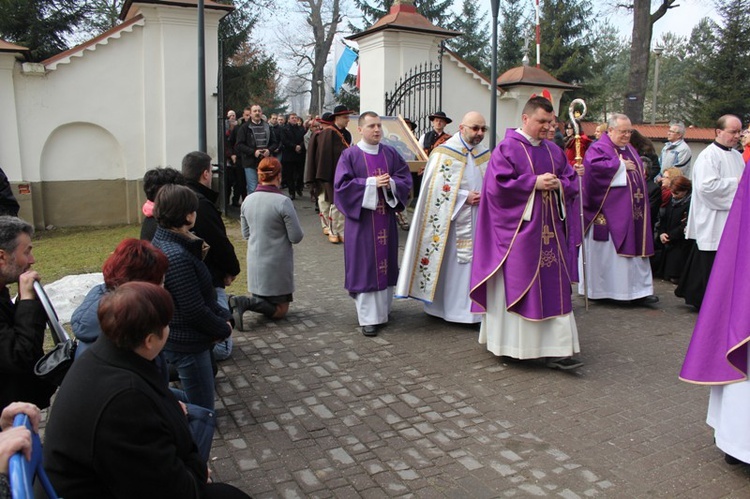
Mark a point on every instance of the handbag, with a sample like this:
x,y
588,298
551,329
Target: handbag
x,y
54,365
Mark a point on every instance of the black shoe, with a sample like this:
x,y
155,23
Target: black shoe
x,y
564,363
370,330
731,460
646,300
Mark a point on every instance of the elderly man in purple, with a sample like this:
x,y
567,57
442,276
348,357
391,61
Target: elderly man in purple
x,y
617,219
371,184
520,277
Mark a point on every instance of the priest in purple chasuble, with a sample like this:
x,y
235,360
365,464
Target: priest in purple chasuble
x,y
371,184
617,219
436,266
519,278
718,354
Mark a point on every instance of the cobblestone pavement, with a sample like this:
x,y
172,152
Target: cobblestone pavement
x,y
309,407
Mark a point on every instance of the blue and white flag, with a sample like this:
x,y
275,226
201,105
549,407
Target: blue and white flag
x,y
345,59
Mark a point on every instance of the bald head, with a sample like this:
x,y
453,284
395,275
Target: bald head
x,y
472,128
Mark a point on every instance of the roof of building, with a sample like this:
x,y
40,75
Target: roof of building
x,y
208,4
658,133
404,17
471,70
530,75
11,47
103,39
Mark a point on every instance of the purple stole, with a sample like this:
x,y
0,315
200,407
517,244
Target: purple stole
x,y
378,165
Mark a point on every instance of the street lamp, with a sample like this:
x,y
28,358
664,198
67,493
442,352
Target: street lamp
x,y
493,75
320,97
657,54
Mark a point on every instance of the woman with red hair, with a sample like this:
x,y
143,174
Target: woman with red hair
x,y
271,227
116,429
132,260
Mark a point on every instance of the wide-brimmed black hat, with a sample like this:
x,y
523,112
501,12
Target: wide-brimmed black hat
x,y
326,119
442,115
341,110
411,124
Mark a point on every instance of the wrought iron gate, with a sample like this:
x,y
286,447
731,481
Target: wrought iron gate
x,y
417,94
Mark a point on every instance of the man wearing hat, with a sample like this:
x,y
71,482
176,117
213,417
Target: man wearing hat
x,y
322,157
437,135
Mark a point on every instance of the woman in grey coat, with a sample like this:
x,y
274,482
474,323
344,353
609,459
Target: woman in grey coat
x,y
270,225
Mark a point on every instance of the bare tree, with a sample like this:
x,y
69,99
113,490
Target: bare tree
x,y
310,47
640,53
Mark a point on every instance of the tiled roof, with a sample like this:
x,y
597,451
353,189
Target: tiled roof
x,y
530,75
103,39
658,133
405,17
11,47
208,4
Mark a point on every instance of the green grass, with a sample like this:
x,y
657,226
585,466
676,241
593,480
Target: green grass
x,y
81,250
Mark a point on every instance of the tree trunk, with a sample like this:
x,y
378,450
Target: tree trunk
x,y
640,53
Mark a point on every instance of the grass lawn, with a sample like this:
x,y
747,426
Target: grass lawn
x,y
80,250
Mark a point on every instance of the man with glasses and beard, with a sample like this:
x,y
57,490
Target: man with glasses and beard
x,y
436,267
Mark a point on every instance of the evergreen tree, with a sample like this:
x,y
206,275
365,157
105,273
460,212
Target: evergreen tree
x,y
721,88
473,45
513,20
251,77
674,90
40,25
566,49
603,90
437,11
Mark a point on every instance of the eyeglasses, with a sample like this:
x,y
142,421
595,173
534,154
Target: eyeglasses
x,y
476,128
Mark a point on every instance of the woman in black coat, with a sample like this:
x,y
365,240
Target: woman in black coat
x,y
671,232
116,430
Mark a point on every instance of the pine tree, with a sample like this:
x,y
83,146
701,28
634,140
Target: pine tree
x,y
513,21
566,50
603,90
40,25
472,46
437,11
721,81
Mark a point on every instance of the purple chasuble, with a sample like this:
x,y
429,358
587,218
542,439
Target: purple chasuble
x,y
533,254
620,214
717,354
371,242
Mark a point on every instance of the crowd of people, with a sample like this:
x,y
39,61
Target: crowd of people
x,y
606,213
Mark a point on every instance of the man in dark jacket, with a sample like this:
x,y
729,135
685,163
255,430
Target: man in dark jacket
x,y
221,259
255,141
293,155
21,324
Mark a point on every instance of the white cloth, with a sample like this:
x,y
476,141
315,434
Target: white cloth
x,y
373,307
677,154
716,175
728,413
509,334
610,275
451,297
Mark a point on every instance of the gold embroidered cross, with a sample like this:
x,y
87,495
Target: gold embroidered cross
x,y
380,208
547,234
383,237
383,267
638,195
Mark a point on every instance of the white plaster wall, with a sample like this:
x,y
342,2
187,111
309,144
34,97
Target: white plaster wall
x,y
139,90
10,153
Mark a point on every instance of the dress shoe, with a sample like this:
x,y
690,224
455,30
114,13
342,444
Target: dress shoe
x,y
370,330
333,238
646,300
731,460
564,363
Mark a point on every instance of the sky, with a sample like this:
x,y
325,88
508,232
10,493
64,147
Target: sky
x,y
679,20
